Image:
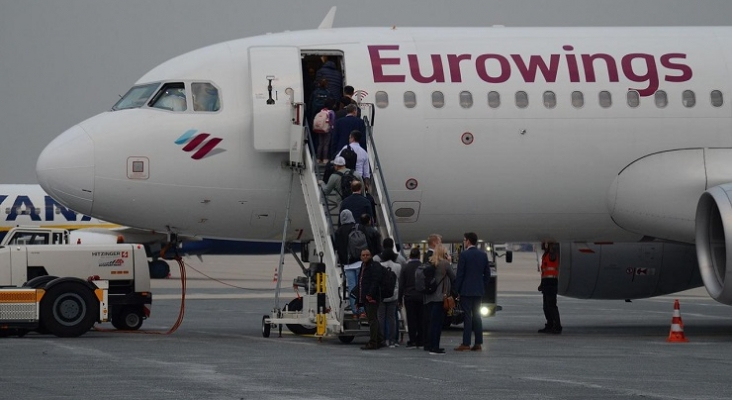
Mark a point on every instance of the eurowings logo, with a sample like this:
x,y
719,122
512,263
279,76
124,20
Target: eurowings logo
x,y
202,143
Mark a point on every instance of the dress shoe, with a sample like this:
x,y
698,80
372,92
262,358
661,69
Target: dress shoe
x,y
440,352
369,347
477,347
547,329
462,347
555,331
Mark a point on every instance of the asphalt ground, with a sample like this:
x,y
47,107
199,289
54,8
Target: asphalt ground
x,y
608,350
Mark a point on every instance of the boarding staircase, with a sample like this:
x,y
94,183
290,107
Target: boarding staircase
x,y
325,299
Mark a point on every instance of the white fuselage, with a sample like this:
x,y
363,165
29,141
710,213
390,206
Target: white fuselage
x,y
546,171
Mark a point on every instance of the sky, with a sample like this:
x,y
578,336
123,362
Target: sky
x,y
63,61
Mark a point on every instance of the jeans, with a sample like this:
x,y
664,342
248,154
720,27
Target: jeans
x,y
472,323
387,320
323,145
352,282
437,314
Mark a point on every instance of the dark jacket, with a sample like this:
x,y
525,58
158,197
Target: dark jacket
x,y
335,79
342,129
406,282
341,242
373,238
358,205
368,282
473,273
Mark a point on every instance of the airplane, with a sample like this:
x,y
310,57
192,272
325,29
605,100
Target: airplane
x,y
614,142
28,205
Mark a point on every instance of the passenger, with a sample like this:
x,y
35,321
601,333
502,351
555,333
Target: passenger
x,y
335,183
323,150
389,306
351,268
347,99
549,287
356,202
433,241
445,276
335,78
344,127
362,158
373,237
369,296
412,300
473,275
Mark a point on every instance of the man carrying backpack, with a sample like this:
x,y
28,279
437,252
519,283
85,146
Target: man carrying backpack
x,y
340,180
412,300
349,255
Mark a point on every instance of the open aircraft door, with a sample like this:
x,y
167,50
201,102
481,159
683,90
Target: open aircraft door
x,y
277,102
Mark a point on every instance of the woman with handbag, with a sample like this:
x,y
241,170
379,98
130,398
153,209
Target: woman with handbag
x,y
444,276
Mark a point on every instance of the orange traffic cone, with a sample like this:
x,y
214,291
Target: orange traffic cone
x,y
676,335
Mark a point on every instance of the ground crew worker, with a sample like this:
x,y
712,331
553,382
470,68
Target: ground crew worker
x,y
548,287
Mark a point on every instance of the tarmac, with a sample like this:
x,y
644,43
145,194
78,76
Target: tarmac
x,y
608,350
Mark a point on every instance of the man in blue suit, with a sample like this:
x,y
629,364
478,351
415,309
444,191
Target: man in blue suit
x,y
473,275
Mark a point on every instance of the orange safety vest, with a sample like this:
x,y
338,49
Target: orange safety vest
x,y
549,267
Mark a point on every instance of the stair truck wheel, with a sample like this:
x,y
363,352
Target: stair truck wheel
x,y
69,308
265,326
345,339
296,305
129,318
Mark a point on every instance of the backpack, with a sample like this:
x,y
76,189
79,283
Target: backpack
x,y
319,97
321,122
424,279
356,243
388,283
346,179
350,156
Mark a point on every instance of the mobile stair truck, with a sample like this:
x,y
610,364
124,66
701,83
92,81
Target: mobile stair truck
x,y
60,287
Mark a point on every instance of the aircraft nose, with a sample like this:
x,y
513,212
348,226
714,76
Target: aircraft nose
x,y
65,169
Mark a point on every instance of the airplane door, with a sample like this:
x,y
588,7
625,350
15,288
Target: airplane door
x,y
277,98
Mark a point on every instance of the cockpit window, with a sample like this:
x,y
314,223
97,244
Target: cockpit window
x,y
172,97
136,97
205,97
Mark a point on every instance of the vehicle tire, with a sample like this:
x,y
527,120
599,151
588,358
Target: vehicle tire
x,y
69,309
159,269
265,326
296,305
128,319
39,281
345,339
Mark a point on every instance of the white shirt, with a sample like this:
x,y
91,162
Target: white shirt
x,y
362,160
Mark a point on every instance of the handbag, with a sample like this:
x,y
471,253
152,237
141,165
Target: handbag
x,y
448,303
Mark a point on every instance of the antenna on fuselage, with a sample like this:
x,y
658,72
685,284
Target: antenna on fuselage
x,y
328,20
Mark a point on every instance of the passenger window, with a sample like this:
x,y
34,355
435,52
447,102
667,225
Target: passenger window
x,y
466,99
606,99
438,99
205,97
494,99
136,97
717,99
633,98
410,99
578,99
382,99
550,99
171,97
522,99
688,98
661,99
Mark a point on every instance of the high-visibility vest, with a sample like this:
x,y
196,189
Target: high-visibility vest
x,y
549,267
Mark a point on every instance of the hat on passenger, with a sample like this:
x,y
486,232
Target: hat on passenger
x,y
339,161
